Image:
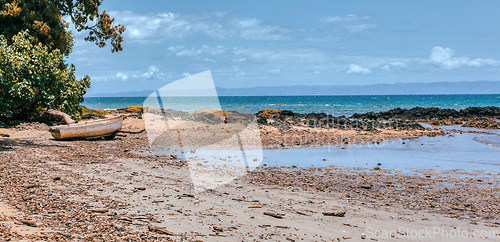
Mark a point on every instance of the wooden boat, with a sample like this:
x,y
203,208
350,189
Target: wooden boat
x,y
106,128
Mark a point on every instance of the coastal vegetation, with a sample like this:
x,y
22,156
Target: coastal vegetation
x,y
34,39
35,78
86,110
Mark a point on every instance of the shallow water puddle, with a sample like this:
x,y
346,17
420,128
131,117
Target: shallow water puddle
x,y
467,151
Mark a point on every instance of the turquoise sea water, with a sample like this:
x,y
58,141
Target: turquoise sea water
x,y
335,105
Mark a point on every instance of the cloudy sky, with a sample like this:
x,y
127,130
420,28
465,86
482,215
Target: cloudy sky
x,y
283,43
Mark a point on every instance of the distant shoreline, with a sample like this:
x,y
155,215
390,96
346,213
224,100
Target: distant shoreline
x,y
431,88
313,95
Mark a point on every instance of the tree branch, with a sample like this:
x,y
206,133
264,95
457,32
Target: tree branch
x,y
60,115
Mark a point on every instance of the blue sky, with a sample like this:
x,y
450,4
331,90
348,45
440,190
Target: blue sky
x,y
283,43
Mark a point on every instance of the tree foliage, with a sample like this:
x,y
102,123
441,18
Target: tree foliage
x,y
34,38
33,78
44,20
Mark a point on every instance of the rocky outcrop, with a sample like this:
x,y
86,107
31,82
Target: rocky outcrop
x,y
286,119
419,113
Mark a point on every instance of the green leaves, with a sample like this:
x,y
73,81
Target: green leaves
x,y
33,78
44,20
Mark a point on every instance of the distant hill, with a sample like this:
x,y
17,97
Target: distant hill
x,y
469,87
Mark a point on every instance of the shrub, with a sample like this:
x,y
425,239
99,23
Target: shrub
x,y
32,78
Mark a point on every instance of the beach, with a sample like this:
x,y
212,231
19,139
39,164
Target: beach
x,y
124,189
249,121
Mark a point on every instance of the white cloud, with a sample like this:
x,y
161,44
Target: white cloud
x,y
340,22
152,71
255,29
385,68
197,51
328,38
186,74
175,48
357,27
155,28
440,54
122,76
298,55
274,71
357,69
349,17
444,57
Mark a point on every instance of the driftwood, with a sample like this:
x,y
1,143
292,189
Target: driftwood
x,y
160,230
60,115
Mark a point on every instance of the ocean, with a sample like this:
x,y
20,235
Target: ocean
x,y
336,105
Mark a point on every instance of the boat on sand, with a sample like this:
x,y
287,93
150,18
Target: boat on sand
x,y
106,128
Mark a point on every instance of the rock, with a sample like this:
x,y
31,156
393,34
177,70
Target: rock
x,y
431,113
301,213
363,236
335,214
185,195
366,186
28,222
376,168
99,210
217,229
55,178
274,215
281,227
255,206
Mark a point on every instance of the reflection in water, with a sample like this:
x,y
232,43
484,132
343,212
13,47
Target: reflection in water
x,y
456,151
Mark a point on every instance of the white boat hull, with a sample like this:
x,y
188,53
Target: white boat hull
x,y
90,129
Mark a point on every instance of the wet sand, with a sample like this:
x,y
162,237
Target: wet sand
x,y
99,190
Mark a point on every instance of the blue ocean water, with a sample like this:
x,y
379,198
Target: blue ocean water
x,y
335,105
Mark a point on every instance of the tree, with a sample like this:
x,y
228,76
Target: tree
x,y
44,20
34,79
34,38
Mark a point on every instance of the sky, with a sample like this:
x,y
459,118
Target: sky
x,y
286,43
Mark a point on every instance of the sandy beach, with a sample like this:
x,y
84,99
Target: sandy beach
x,y
120,190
